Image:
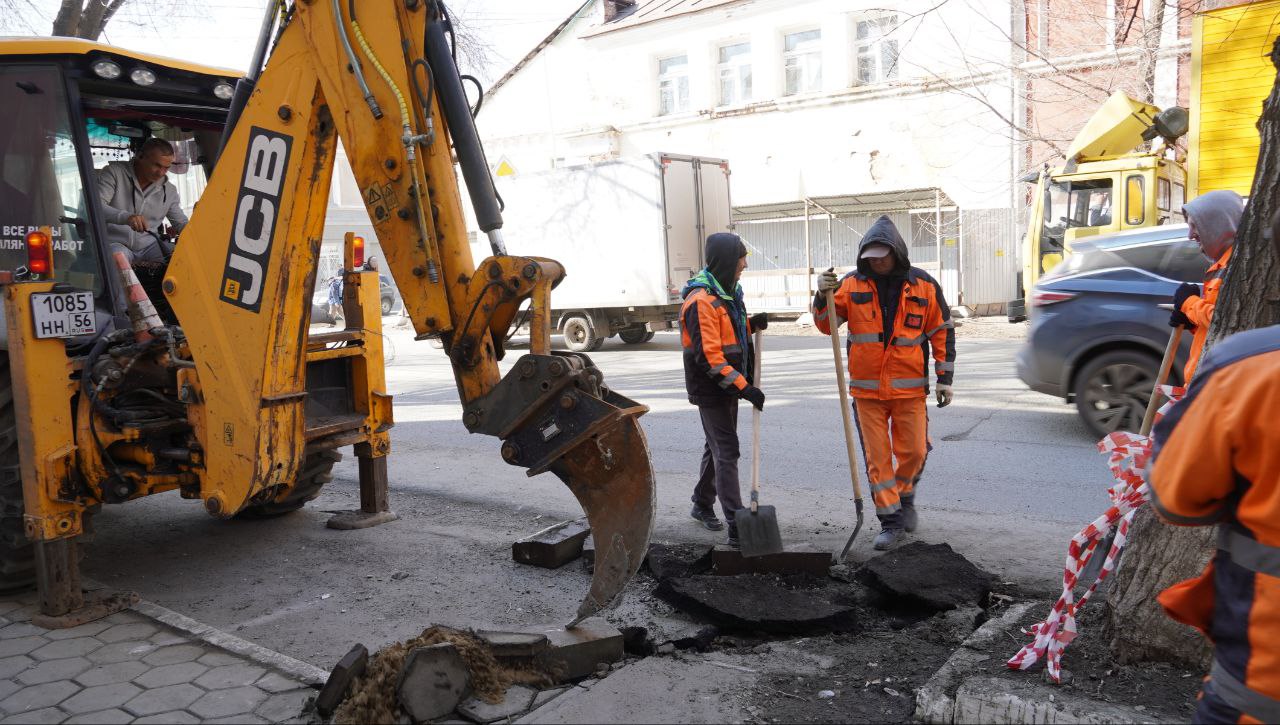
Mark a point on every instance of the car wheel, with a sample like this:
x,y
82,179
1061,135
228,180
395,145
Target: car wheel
x,y
387,304
578,335
636,335
1113,389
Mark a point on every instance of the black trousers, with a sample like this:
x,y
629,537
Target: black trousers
x,y
718,474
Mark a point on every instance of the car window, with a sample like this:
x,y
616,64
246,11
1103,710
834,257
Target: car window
x,y
1184,262
1177,259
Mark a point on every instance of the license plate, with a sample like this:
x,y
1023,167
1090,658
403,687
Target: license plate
x,y
63,314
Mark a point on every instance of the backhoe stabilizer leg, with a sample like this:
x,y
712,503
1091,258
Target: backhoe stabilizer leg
x,y
554,413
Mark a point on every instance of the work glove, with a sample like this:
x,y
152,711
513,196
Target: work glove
x,y
828,281
1185,291
753,395
760,321
944,396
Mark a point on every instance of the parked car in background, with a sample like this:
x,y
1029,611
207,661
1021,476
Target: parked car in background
x,y
390,299
1100,323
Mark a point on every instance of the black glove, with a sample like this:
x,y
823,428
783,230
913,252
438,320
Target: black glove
x,y
1176,317
760,321
753,395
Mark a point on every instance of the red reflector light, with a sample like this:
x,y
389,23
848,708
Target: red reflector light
x,y
39,253
1040,298
357,252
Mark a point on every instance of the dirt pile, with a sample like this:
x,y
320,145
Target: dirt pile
x,y
931,577
373,695
666,561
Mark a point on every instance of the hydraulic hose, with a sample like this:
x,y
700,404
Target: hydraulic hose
x,y
462,128
355,63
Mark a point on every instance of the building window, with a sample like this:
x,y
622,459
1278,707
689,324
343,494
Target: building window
x,y
735,74
802,61
877,53
673,85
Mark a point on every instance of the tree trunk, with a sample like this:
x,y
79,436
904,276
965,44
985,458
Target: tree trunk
x,y
67,20
1158,554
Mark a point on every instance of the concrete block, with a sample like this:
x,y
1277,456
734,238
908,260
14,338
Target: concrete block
x,y
514,645
348,669
554,546
575,653
432,682
515,701
793,559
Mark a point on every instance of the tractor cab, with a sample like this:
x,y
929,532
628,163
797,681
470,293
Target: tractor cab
x,y
71,107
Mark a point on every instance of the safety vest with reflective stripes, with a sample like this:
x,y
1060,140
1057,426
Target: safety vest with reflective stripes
x,y
715,360
1217,461
900,366
1200,310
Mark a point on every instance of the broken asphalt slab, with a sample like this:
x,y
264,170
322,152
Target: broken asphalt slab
x,y
928,576
793,559
666,561
515,701
553,546
750,602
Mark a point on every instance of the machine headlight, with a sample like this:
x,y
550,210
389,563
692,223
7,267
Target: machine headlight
x,y
224,90
108,69
142,76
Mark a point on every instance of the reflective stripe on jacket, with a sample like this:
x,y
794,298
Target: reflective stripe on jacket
x,y
900,366
1200,310
1217,460
715,359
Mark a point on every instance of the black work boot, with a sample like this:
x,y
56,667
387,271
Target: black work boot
x,y
732,541
910,519
707,518
886,539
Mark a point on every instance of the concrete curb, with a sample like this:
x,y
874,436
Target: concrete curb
x,y
284,664
958,693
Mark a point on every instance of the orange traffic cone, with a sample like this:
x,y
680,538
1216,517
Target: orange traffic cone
x,y
141,312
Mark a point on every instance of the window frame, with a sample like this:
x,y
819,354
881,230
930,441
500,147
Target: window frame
x,y
813,54
679,88
873,48
732,68
1129,184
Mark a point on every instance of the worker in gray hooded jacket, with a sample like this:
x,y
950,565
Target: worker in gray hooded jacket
x,y
137,197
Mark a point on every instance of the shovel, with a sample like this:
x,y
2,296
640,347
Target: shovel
x,y
758,533
848,422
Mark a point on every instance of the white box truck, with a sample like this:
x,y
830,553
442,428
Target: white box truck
x,y
629,232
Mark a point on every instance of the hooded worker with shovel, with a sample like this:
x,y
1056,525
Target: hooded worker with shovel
x,y
715,332
897,316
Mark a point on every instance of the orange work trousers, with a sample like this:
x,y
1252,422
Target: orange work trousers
x,y
892,429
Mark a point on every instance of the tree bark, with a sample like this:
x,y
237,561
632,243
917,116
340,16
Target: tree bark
x,y
1158,554
67,21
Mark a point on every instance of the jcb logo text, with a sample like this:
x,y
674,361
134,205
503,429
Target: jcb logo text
x,y
253,228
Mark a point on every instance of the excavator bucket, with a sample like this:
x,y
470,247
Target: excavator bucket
x,y
612,478
554,413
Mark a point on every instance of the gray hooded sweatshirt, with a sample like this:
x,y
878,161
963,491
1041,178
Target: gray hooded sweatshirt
x,y
122,198
1216,216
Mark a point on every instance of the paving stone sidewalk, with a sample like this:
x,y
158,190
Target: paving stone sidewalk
x,y
129,667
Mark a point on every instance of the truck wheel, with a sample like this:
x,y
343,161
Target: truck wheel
x,y
387,304
316,471
636,335
17,555
1113,389
579,336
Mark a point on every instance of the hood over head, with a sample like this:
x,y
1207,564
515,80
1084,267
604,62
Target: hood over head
x,y
723,251
1216,216
884,232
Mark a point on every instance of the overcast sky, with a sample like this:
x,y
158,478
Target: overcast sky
x,y
222,32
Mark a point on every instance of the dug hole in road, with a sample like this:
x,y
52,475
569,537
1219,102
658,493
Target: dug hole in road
x,y
1013,475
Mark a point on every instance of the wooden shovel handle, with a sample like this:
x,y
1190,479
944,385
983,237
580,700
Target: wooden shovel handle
x,y
755,430
845,414
1166,365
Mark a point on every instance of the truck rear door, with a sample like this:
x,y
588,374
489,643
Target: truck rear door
x,y
680,209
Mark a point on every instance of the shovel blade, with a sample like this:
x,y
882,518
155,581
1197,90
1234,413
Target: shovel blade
x,y
611,476
758,533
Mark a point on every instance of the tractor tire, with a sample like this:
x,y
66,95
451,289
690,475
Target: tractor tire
x,y
636,335
317,470
17,554
579,335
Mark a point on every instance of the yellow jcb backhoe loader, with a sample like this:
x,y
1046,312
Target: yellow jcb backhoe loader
x,y
227,397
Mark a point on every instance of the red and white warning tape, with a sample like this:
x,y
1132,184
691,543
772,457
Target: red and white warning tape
x,y
1128,455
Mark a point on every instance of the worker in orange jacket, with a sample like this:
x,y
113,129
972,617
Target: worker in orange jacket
x,y
1217,461
1213,219
896,315
715,333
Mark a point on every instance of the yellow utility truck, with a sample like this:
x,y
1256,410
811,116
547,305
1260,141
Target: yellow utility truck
x,y
222,394
1124,169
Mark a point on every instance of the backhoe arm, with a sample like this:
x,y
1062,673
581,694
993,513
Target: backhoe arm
x,y
378,76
